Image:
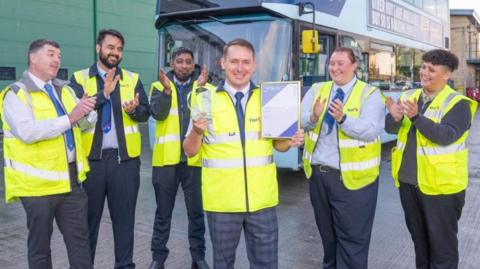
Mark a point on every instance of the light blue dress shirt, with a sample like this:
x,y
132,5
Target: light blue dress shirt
x,y
367,127
110,139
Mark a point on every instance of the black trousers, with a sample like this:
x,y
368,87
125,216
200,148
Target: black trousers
x,y
119,183
69,210
344,219
432,221
165,181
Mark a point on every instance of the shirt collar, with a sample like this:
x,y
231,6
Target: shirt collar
x,y
347,88
38,82
101,72
94,70
177,82
232,90
426,98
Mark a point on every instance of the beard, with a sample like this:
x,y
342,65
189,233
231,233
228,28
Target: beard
x,y
104,59
182,77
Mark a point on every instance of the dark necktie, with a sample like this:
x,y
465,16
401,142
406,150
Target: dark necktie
x,y
107,114
328,119
60,112
240,115
181,91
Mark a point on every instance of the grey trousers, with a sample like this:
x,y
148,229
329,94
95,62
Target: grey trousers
x,y
69,210
261,238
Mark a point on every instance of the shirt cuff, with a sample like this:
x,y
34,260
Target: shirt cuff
x,y
64,123
309,125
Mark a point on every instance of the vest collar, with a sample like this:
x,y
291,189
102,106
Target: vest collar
x,y
221,87
93,71
30,85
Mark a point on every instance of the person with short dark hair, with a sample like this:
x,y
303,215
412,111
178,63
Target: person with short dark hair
x,y
44,160
343,119
113,146
239,179
430,160
171,99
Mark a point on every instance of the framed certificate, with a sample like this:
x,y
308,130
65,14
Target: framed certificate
x,y
280,109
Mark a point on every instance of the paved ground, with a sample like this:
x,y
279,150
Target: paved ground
x,y
299,246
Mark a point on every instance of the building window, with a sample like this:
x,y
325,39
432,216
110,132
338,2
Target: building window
x,y
382,66
7,73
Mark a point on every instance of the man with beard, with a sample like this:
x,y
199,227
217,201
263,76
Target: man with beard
x,y
171,98
113,146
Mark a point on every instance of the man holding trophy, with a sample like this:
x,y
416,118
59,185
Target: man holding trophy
x,y
239,183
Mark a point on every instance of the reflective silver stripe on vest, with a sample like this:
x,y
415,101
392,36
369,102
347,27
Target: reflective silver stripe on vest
x,y
353,143
441,149
32,171
167,138
230,137
408,93
307,156
8,134
438,114
80,167
85,73
365,90
400,145
131,129
358,166
89,130
313,136
173,112
237,163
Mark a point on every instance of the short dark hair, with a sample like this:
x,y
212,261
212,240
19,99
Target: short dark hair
x,y
36,45
348,51
441,57
104,32
239,42
181,50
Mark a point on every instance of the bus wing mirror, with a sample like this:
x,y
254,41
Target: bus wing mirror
x,y
310,41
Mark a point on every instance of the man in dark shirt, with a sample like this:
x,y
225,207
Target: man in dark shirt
x,y
430,161
171,99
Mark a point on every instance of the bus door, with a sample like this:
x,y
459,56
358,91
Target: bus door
x,y
313,67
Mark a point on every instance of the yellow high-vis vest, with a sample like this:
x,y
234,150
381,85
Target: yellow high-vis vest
x,y
127,84
440,169
359,160
167,147
40,168
235,178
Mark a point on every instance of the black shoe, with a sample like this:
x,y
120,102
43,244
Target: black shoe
x,y
200,265
156,265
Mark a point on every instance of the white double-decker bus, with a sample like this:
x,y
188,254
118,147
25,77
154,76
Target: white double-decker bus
x,y
388,38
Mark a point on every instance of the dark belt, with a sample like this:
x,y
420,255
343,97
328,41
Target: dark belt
x,y
109,152
325,168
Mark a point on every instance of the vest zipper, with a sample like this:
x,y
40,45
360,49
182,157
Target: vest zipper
x,y
66,147
68,167
243,154
336,126
338,147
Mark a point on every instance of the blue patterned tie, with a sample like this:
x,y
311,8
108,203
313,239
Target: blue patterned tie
x,y
328,119
60,112
106,114
240,115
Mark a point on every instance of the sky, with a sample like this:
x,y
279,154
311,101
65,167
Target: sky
x,y
465,4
